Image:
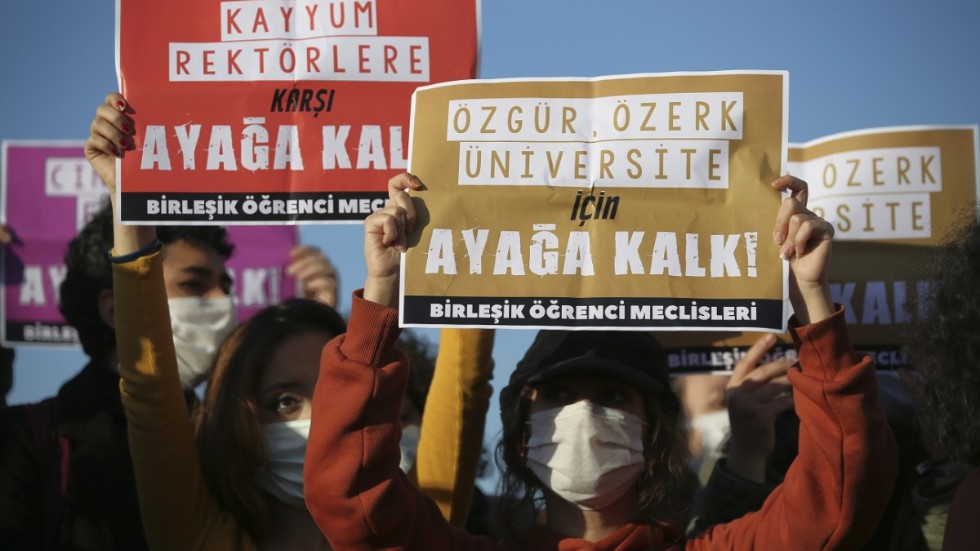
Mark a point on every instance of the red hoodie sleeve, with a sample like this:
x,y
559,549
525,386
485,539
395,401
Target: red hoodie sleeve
x,y
836,490
354,488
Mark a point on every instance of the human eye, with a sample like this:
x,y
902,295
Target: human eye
x,y
193,286
615,395
285,405
555,392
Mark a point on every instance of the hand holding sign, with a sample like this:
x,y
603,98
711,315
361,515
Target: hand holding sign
x,y
805,241
385,238
110,138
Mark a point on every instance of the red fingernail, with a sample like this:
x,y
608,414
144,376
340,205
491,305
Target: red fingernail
x,y
126,128
120,105
124,142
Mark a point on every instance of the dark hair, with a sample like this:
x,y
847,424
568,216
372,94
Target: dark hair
x,y
665,490
89,273
422,363
226,423
944,346
214,237
6,372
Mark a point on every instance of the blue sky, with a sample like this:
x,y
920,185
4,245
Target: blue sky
x,y
852,65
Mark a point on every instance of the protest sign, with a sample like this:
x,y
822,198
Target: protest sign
x,y
620,202
893,195
258,267
49,192
715,352
251,111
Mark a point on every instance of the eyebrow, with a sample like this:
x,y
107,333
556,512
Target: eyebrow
x,y
287,385
199,270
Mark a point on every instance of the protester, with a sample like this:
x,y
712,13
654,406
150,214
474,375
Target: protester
x,y
703,401
241,486
945,351
246,489
831,498
916,516
446,430
250,427
743,475
66,479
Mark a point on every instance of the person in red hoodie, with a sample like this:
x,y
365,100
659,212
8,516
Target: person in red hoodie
x,y
590,427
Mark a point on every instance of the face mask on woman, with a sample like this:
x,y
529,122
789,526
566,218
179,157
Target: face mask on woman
x,y
199,326
587,454
285,448
713,429
409,446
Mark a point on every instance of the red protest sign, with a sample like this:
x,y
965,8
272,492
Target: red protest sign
x,y
251,111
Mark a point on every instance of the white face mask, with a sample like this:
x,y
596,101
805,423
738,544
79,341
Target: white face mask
x,y
282,474
587,454
199,325
713,430
409,446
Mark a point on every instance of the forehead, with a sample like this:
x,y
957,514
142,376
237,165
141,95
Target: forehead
x,y
585,379
295,361
184,252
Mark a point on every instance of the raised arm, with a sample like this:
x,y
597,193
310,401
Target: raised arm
x,y
836,490
178,512
354,488
451,438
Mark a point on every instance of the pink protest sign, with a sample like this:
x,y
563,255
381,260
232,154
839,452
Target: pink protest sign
x,y
258,267
48,192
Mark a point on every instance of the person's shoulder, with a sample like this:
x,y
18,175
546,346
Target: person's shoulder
x,y
22,428
92,392
13,420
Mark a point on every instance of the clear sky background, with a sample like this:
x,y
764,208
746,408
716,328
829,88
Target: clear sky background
x,y
852,64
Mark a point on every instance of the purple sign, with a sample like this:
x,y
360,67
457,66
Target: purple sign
x,y
258,267
48,192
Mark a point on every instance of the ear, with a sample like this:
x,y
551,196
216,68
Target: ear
x,y
107,308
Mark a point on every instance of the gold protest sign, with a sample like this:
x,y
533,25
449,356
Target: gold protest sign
x,y
893,195
619,202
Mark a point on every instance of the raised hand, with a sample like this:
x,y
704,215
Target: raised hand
x,y
385,238
757,394
111,135
315,273
805,241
